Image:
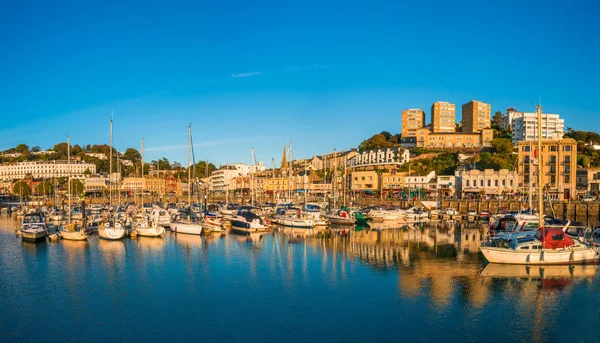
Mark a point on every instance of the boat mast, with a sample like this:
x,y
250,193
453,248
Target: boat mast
x,y
69,173
530,194
345,180
291,173
540,168
252,170
335,179
189,166
142,196
110,163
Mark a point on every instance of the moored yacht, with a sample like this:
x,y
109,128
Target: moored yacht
x,y
33,227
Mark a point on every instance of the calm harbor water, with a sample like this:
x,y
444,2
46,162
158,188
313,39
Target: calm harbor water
x,y
414,284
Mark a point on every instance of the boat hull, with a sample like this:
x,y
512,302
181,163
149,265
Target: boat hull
x,y
188,229
298,223
339,220
33,236
540,257
245,227
111,233
153,231
73,235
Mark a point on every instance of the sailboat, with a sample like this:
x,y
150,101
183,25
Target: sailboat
x,y
111,229
550,245
71,230
189,225
142,227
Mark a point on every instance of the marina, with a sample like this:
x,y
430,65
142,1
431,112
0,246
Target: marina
x,y
421,282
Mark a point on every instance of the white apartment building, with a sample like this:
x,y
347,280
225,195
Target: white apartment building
x,y
525,128
395,156
45,170
419,182
488,182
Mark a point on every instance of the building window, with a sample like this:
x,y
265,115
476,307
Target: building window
x,y
496,183
468,183
481,183
553,148
568,159
526,148
567,178
552,179
553,159
567,148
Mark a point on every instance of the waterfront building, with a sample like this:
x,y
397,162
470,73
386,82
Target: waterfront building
x,y
134,185
391,157
444,186
45,170
419,182
428,139
95,184
412,119
559,167
476,115
489,182
392,182
443,117
366,181
525,127
220,179
588,180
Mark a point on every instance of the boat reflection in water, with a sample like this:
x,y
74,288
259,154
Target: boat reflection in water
x,y
564,274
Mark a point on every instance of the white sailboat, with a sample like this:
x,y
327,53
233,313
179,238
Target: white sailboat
x,y
71,230
111,229
550,245
188,225
142,227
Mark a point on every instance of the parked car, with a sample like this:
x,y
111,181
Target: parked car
x,y
588,198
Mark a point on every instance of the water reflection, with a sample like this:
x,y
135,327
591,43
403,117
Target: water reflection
x,y
427,282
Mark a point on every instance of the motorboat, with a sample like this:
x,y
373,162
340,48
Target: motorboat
x,y
33,227
246,221
190,225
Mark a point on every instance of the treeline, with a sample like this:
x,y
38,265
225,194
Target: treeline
x,y
60,152
587,155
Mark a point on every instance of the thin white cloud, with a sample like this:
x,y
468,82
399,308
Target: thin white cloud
x,y
252,73
313,66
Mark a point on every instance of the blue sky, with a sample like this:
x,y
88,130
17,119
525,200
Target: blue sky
x,y
325,74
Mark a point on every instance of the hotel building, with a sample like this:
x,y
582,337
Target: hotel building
x,y
412,119
443,117
45,170
476,116
559,167
525,127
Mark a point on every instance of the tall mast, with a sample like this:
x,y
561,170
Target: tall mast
x,y
345,179
142,208
110,164
189,166
118,182
291,173
540,167
334,179
252,171
530,199
69,173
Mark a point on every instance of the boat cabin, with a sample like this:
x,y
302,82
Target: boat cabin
x,y
553,238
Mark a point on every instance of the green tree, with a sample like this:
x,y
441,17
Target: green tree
x,y
36,149
376,142
132,154
497,120
44,187
21,188
21,148
76,187
87,172
502,145
583,161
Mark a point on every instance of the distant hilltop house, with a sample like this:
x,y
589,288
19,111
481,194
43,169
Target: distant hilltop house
x,y
39,153
45,170
98,155
389,156
11,154
127,163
